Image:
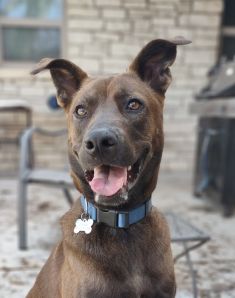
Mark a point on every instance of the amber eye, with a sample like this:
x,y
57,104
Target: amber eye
x,y
80,111
134,104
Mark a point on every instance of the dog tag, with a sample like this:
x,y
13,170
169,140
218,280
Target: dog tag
x,y
83,225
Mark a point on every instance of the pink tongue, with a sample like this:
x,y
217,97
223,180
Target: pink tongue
x,y
108,180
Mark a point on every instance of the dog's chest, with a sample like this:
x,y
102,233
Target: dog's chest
x,y
119,264
131,282
133,286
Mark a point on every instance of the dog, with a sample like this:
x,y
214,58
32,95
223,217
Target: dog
x,y
114,244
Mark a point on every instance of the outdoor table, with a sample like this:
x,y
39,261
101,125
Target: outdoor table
x,y
190,237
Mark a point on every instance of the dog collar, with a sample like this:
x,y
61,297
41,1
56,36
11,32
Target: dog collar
x,y
117,219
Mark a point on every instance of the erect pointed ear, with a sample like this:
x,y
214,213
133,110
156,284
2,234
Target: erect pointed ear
x,y
153,61
66,76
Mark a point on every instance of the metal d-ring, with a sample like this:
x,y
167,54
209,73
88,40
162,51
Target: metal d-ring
x,y
85,216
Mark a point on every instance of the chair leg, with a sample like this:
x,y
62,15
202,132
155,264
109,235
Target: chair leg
x,y
68,196
192,271
22,215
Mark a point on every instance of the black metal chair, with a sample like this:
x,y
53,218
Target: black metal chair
x,y
190,237
29,174
16,107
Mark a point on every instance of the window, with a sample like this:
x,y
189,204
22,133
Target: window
x,y
228,30
30,30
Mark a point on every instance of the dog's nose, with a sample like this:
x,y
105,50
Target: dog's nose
x,y
101,140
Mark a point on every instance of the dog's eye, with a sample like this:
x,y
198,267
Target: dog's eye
x,y
80,111
134,104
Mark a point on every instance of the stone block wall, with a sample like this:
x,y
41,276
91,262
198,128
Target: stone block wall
x,y
103,36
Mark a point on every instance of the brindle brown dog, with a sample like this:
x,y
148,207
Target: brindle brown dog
x,y
115,139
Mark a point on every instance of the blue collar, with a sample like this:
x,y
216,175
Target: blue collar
x,y
117,219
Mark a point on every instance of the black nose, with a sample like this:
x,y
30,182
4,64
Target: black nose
x,y
101,140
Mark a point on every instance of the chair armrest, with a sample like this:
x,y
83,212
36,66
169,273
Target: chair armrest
x,y
26,153
26,150
49,133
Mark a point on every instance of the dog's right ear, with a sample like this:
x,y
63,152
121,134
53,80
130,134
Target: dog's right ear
x,y
66,76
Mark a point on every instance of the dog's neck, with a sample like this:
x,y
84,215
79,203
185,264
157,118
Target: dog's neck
x,y
117,219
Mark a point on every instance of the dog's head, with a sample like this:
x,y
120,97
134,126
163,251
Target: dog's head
x,y
115,124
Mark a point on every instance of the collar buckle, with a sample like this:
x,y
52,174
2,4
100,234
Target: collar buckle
x,y
108,217
113,218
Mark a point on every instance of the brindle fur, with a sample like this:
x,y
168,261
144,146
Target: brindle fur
x,y
134,262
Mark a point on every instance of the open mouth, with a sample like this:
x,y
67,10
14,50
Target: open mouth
x,y
109,180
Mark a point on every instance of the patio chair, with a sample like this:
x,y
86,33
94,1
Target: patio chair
x,y
9,135
29,174
190,237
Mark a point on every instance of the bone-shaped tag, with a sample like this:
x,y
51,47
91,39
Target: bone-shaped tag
x,y
83,225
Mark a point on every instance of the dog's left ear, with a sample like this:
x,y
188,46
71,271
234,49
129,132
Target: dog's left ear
x,y
153,61
67,77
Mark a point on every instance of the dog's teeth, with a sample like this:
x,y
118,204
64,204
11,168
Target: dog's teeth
x,y
125,196
89,175
97,198
129,168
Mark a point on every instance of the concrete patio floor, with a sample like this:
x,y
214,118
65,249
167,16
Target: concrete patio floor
x,y
214,262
